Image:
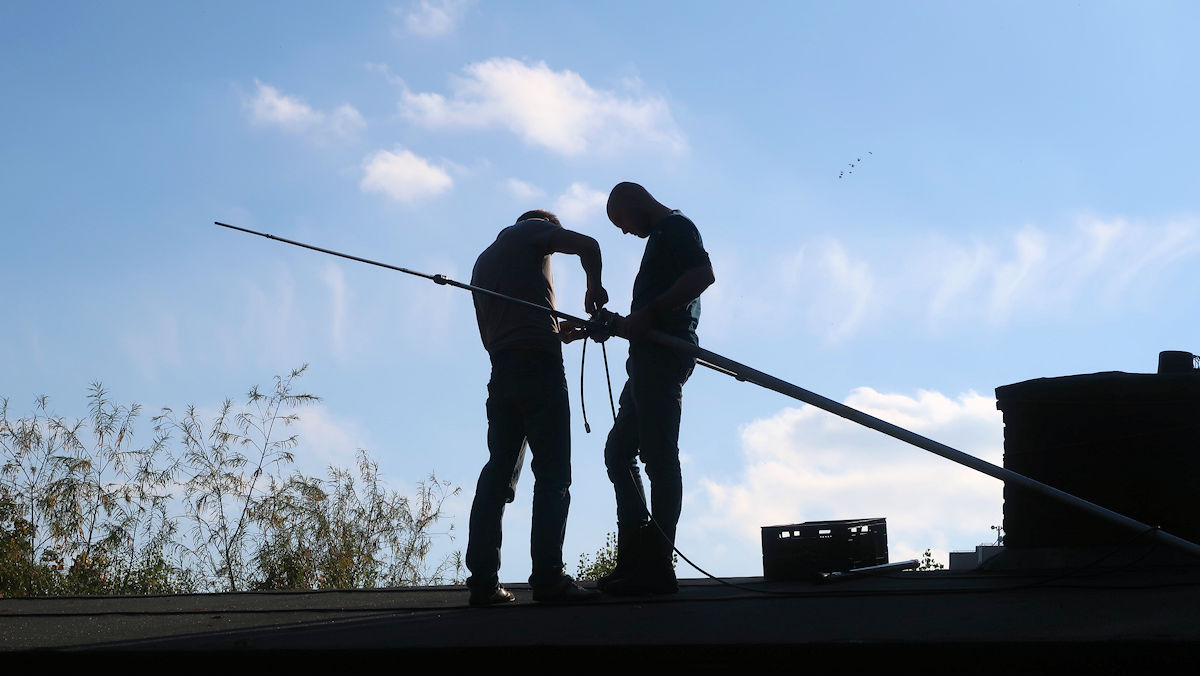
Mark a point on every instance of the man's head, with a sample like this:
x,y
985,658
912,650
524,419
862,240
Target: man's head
x,y
539,213
632,209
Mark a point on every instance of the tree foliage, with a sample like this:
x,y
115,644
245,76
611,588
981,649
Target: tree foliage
x,y
604,560
211,504
601,563
927,562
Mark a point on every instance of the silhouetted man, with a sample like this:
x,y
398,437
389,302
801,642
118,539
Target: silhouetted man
x,y
675,270
527,403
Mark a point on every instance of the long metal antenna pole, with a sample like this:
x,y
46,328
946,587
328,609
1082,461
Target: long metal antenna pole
x,y
742,372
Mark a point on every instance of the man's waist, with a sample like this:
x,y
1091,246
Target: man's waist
x,y
520,354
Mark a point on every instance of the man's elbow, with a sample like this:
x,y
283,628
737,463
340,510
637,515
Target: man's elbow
x,y
707,277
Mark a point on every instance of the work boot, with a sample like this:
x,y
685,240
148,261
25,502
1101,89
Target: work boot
x,y
565,590
490,597
653,571
629,546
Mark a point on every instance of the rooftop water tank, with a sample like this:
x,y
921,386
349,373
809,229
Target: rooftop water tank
x,y
1126,441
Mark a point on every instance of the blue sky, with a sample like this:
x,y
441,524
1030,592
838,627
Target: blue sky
x,y
1021,205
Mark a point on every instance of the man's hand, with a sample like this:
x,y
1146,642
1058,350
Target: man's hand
x,y
569,331
635,326
595,298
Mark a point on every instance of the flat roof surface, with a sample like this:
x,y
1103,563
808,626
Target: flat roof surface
x,y
1150,615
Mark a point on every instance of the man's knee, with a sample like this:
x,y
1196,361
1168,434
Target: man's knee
x,y
663,466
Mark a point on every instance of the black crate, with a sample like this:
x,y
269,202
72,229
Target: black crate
x,y
802,550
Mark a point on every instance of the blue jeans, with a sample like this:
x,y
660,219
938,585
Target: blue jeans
x,y
526,407
648,423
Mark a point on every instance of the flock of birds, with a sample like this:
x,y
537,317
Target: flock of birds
x,y
853,164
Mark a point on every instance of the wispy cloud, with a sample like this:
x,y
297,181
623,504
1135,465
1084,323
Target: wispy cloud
x,y
522,190
327,439
433,18
403,176
580,203
556,110
803,464
1033,271
272,318
335,281
843,303
837,289
271,107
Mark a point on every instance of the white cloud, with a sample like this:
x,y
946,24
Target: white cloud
x,y
1013,279
839,289
403,176
579,203
271,107
1035,271
270,320
326,439
433,18
842,304
335,280
522,190
556,110
347,121
804,464
1144,253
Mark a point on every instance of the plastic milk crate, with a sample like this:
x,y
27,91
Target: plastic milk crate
x,y
802,550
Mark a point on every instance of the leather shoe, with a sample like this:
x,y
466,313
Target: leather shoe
x,y
480,597
566,591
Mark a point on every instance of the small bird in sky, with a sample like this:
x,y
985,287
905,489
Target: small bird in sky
x,y
852,165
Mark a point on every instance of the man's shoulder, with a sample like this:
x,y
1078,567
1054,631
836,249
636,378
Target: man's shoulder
x,y
677,218
674,223
532,225
676,227
534,231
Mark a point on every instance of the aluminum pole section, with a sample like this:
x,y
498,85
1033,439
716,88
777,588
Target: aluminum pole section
x,y
438,279
743,372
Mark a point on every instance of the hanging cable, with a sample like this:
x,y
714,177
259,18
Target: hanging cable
x,y
608,379
583,360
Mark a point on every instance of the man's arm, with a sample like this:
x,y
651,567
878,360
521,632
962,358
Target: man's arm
x,y
689,285
588,250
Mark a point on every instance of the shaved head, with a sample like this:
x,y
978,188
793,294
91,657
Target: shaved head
x,y
633,209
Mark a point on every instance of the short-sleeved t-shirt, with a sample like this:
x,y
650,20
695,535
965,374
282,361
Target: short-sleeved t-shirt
x,y
517,264
673,247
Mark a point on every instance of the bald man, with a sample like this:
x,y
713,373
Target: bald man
x,y
675,270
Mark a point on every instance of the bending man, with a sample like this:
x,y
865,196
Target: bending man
x,y
527,403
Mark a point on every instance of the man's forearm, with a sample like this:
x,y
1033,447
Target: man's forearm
x,y
589,258
587,248
689,285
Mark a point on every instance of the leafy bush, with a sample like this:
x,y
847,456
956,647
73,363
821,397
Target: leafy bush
x,y
207,506
927,562
602,563
604,560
